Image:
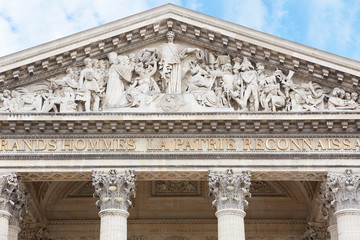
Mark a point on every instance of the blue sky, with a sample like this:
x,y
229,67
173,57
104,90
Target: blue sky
x,y
329,25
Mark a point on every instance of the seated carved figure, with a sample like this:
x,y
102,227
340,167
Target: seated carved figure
x,y
7,104
144,89
273,97
200,84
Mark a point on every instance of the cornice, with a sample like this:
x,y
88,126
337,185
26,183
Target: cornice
x,y
107,124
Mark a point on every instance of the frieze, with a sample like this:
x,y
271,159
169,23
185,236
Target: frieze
x,y
180,221
173,176
180,145
171,77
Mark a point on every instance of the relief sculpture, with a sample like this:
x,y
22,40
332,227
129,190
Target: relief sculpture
x,y
173,77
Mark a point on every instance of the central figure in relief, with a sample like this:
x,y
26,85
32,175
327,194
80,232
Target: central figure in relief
x,y
171,56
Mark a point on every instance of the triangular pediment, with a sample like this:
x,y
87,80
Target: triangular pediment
x,y
220,66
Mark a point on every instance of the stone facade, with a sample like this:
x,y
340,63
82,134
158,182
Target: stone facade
x,y
173,107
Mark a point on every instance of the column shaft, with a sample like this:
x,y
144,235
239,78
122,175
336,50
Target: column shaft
x,y
13,232
4,225
231,224
348,224
113,224
333,232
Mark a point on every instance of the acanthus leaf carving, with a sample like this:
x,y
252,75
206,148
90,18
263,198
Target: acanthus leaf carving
x,y
230,190
315,231
114,189
20,199
8,191
342,191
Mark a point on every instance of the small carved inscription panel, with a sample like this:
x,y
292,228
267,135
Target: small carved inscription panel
x,y
176,188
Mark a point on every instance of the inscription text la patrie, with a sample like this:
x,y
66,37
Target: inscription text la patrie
x,y
178,144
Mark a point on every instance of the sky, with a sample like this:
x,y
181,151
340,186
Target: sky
x,y
329,25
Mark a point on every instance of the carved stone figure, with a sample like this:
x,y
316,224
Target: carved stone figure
x,y
200,85
228,82
119,77
249,79
88,82
144,89
170,63
272,98
336,100
7,104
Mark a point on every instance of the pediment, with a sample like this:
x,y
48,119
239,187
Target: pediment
x,y
213,65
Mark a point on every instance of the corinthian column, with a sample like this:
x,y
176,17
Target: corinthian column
x,y
17,210
115,191
327,208
343,190
229,191
8,186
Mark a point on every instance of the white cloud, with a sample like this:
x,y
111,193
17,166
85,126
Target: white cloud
x,y
194,5
249,13
24,24
334,26
276,16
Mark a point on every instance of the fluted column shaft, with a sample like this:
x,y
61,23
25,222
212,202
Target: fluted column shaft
x,y
333,232
4,225
13,232
229,191
231,224
115,191
348,224
113,224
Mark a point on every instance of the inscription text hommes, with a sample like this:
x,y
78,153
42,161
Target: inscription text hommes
x,y
179,144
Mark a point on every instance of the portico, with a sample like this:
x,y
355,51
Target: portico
x,y
173,125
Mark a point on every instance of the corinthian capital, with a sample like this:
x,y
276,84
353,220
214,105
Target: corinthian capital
x,y
20,201
114,189
343,190
315,231
8,186
229,189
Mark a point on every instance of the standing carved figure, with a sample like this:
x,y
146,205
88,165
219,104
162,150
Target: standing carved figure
x,y
251,91
88,83
171,56
120,72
